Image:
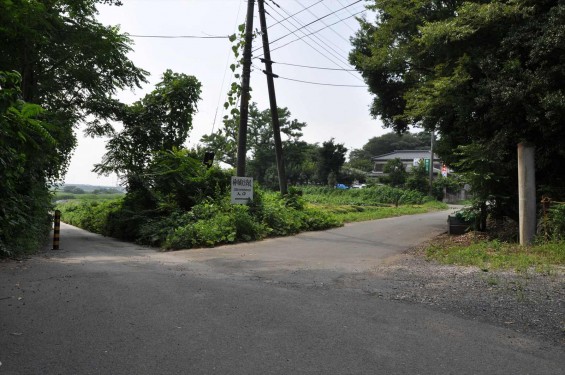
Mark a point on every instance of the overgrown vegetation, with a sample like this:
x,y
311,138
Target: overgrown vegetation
x,y
484,75
59,68
212,221
372,196
498,248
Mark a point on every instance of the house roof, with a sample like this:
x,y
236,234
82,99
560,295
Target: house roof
x,y
404,155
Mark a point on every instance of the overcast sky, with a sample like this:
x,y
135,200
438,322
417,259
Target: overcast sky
x,y
329,111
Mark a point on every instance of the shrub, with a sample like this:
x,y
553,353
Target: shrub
x,y
552,225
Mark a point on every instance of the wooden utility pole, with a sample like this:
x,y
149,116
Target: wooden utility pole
x,y
244,105
272,99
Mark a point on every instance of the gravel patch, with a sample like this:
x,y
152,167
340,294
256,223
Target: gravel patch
x,y
530,303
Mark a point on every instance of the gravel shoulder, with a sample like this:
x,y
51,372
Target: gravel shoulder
x,y
530,303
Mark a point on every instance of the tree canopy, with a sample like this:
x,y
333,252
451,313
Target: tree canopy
x,y
59,68
486,74
161,121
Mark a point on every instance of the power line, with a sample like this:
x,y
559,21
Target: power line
x,y
316,20
320,83
321,53
225,70
315,15
348,11
291,16
339,64
180,36
314,32
320,38
310,66
309,82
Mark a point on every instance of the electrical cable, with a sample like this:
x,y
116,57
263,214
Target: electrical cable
x,y
310,66
315,15
308,82
346,24
310,6
312,22
314,32
321,53
318,37
180,36
225,71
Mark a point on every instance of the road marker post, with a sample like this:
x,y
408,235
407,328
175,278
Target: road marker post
x,y
56,230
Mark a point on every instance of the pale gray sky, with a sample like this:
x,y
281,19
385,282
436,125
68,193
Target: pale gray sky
x,y
338,112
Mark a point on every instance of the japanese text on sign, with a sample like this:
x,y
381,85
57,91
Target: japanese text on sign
x,y
241,190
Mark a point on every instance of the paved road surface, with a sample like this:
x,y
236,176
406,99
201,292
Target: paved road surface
x,y
279,306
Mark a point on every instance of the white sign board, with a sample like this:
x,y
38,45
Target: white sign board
x,y
416,162
241,190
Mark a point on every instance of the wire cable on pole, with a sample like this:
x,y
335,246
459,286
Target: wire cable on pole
x,y
310,66
324,23
338,57
312,22
179,36
314,32
308,82
323,40
292,15
337,63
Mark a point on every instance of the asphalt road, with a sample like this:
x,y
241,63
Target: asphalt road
x,y
280,306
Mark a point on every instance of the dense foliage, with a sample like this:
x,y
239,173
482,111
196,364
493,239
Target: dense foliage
x,y
29,161
485,74
304,162
212,221
59,67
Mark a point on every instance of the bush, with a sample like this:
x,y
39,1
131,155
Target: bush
x,y
552,225
210,222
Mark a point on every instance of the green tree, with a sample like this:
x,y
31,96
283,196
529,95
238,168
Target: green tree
x,y
483,74
418,178
396,172
67,68
331,157
262,164
29,164
159,122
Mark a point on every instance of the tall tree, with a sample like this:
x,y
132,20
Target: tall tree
x,y
260,144
331,157
484,73
159,122
59,67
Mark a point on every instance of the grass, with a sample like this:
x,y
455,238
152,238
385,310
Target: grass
x,y
64,196
355,213
494,254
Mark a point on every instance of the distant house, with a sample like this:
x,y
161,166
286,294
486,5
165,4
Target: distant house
x,y
409,158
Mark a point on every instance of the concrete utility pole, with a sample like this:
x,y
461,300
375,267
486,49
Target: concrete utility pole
x,y
431,164
272,99
526,193
244,105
